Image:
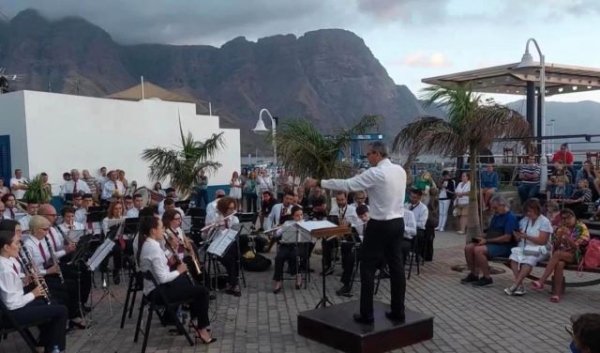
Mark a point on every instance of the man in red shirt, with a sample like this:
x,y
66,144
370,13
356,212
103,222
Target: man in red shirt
x,y
563,155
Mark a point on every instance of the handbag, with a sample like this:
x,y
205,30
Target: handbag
x,y
535,250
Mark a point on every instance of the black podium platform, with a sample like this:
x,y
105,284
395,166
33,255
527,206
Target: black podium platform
x,y
335,327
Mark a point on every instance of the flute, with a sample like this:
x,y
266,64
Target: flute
x,y
54,260
31,270
218,223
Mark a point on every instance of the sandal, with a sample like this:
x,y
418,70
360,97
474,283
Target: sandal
x,y
537,285
199,337
555,298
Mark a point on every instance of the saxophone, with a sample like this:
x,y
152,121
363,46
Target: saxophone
x,y
31,270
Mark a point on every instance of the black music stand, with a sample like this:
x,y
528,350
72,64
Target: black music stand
x,y
184,205
111,235
95,215
131,225
80,256
198,222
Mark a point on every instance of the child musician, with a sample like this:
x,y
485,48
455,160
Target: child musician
x,y
287,249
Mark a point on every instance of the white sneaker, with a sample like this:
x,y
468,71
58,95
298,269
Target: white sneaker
x,y
510,290
520,291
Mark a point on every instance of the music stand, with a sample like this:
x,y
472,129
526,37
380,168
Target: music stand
x,y
131,225
184,205
78,259
99,256
95,215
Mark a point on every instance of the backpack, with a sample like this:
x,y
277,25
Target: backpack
x,y
591,259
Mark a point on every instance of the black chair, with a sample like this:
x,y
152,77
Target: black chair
x,y
415,253
8,324
158,299
136,280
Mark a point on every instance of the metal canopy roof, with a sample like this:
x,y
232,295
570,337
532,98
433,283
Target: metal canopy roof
x,y
512,79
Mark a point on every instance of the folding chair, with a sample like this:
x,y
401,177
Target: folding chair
x,y
135,285
8,324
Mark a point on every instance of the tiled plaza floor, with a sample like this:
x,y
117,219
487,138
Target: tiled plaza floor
x,y
466,319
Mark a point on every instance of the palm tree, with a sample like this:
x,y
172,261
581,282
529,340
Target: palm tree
x,y
183,164
305,151
472,125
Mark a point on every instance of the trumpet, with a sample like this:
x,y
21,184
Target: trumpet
x,y
54,260
31,270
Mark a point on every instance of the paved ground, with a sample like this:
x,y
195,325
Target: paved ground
x,y
466,319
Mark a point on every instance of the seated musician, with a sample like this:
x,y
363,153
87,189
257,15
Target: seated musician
x,y
170,205
32,210
10,206
226,207
347,215
266,206
171,194
211,208
127,203
69,223
176,286
42,253
114,215
171,220
77,200
134,212
287,249
342,214
281,212
31,307
421,213
360,198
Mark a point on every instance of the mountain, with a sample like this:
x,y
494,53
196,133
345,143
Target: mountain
x,y
328,76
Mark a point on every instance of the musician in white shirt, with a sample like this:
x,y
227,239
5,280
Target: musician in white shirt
x,y
114,217
69,223
28,308
32,210
134,212
281,211
211,208
151,257
287,250
170,205
112,187
347,215
225,220
75,185
10,206
18,184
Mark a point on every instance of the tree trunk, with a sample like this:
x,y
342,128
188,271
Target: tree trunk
x,y
473,221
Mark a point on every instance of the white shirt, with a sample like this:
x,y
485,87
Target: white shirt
x,y
154,259
420,212
132,213
348,213
76,226
33,245
8,215
264,183
385,184
57,240
69,187
462,188
410,224
24,222
11,286
14,182
211,212
274,217
108,189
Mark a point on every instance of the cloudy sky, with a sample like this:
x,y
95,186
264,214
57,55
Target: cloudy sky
x,y
413,39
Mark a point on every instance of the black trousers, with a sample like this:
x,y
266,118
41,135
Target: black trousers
x,y
229,260
328,246
180,290
64,293
382,241
349,252
304,250
251,199
285,253
53,330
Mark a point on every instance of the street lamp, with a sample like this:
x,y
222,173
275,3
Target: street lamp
x,y
527,61
261,130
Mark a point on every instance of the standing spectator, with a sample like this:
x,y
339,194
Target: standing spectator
x,y
563,155
159,190
235,190
66,178
282,182
588,173
489,185
461,203
91,182
244,179
250,192
265,183
3,189
102,178
122,179
75,185
424,183
201,189
529,174
18,184
45,183
446,186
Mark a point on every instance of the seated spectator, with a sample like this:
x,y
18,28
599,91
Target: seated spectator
x,y
561,171
579,199
489,185
553,214
558,189
588,173
586,334
497,242
529,174
568,242
532,240
563,155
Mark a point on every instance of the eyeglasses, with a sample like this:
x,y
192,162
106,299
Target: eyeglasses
x,y
177,218
45,229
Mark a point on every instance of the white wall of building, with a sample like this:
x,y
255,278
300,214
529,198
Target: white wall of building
x,y
12,123
66,131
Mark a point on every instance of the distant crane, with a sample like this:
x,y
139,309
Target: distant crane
x,y
6,78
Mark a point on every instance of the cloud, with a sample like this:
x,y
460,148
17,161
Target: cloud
x,y
419,59
406,11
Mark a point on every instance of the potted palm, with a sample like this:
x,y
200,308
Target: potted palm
x,y
37,191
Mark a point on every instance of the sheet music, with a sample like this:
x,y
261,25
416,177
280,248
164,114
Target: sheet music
x,y
111,222
309,226
100,254
222,241
186,224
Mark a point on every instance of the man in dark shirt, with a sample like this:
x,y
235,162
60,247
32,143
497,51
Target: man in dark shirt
x,y
497,242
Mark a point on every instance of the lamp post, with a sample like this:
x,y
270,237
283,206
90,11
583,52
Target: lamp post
x,y
527,61
261,129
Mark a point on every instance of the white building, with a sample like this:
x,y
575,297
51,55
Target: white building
x,y
53,133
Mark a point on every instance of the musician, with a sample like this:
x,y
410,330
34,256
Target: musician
x,y
77,201
10,206
134,212
2,209
170,205
281,212
151,257
112,187
360,198
41,250
32,210
211,209
171,220
114,215
69,223
28,308
266,206
171,194
342,214
287,250
230,260
128,203
349,246
75,185
421,213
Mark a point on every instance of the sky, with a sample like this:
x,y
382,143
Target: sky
x,y
412,39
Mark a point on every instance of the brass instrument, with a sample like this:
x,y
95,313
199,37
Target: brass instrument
x,y
54,259
31,270
176,258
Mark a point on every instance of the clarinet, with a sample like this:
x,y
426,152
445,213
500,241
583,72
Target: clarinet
x,y
177,260
54,260
31,270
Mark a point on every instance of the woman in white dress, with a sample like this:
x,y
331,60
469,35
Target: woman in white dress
x,y
235,191
533,237
462,202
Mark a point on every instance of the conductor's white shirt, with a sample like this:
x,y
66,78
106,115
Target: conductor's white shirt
x,y
385,184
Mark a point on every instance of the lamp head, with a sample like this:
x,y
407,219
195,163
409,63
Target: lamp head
x,y
260,127
527,61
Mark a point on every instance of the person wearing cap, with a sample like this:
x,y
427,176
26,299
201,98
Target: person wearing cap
x,y
211,209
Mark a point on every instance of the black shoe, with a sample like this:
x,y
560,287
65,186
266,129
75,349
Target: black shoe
x,y
384,275
116,278
362,320
469,279
483,281
395,317
277,290
345,291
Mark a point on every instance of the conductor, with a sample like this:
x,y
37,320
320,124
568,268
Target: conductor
x,y
385,184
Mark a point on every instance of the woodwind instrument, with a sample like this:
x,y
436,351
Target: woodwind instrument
x,y
285,211
54,259
176,258
218,223
189,248
31,270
